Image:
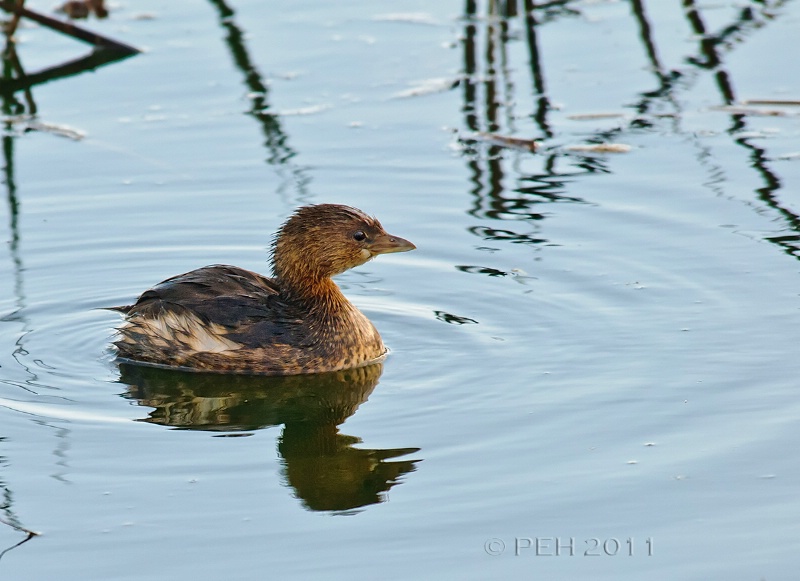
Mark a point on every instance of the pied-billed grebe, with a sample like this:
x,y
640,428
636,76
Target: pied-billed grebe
x,y
224,318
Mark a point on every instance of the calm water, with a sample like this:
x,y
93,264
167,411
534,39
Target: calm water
x,y
594,355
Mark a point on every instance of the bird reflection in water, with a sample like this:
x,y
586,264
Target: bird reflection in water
x,y
323,467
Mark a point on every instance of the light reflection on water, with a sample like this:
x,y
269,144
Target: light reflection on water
x,y
585,344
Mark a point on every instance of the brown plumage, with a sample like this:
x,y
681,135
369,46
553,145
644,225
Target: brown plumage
x,y
224,318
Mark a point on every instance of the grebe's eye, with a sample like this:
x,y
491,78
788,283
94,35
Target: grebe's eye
x,y
359,236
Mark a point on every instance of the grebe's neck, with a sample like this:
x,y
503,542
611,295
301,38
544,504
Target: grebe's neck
x,y
321,294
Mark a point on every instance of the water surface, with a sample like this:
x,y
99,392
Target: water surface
x,y
593,364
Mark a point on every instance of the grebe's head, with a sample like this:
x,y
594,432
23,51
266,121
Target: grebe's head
x,y
324,240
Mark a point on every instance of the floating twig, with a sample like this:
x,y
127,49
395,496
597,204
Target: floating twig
x,y
772,102
594,116
506,141
736,110
55,129
428,87
600,148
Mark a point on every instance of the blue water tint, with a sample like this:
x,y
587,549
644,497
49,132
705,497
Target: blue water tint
x,y
591,351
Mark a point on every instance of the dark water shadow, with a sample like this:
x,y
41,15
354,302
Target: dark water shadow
x,y
323,466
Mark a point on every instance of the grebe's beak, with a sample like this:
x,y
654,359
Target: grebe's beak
x,y
386,243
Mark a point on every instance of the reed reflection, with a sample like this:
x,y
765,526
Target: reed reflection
x,y
504,187
15,79
276,141
514,186
9,517
320,464
19,115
